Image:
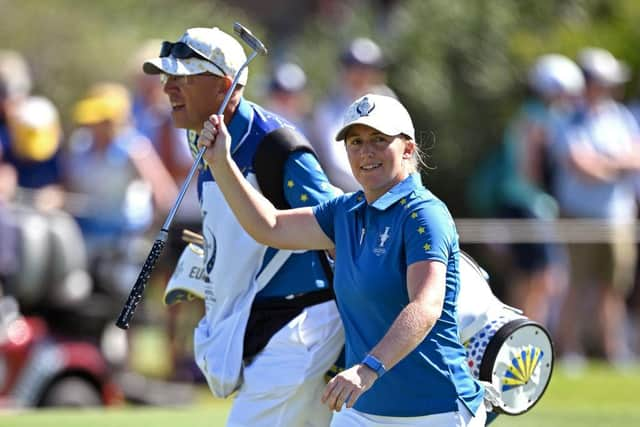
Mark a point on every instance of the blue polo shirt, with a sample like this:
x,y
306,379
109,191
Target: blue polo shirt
x,y
304,184
374,246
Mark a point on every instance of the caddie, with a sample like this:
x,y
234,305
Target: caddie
x,y
271,328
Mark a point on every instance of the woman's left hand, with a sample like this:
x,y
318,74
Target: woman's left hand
x,y
347,386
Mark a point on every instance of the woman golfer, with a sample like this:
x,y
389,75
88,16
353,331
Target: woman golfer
x,y
396,273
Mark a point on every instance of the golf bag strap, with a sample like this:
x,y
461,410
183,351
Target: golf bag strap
x,y
270,158
269,316
268,164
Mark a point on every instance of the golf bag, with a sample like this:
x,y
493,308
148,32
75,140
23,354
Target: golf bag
x,y
504,348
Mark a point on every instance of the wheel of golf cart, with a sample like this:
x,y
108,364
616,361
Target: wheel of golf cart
x,y
71,392
518,361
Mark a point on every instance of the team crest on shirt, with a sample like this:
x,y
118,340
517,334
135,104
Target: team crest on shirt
x,y
382,240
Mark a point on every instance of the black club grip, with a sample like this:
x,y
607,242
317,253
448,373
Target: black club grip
x,y
135,296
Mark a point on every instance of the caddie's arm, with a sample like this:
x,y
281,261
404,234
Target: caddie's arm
x,y
284,229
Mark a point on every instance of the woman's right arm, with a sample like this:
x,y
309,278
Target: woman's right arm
x,y
284,229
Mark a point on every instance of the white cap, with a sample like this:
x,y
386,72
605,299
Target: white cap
x,y
288,77
36,112
603,67
36,130
15,74
363,52
383,113
221,54
554,74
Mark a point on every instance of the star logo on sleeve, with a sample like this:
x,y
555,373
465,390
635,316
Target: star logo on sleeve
x,y
420,230
290,183
403,202
427,247
414,215
304,197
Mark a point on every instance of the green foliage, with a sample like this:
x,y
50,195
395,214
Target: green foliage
x,y
459,65
71,44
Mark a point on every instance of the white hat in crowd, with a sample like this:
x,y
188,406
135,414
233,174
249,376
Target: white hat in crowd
x,y
601,66
36,129
363,52
555,74
288,77
383,113
15,74
200,50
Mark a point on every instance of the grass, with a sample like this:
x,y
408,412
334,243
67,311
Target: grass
x,y
205,416
601,397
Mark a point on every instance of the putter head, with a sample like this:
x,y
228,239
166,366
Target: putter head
x,y
249,38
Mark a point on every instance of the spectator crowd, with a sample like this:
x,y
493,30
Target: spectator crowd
x,y
571,151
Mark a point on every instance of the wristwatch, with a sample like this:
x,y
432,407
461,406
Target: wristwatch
x,y
374,364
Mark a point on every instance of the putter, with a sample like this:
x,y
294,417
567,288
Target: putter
x,y
135,296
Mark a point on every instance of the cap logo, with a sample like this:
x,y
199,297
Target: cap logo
x,y
365,107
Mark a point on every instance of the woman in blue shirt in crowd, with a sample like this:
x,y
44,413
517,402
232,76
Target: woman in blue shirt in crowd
x,y
396,273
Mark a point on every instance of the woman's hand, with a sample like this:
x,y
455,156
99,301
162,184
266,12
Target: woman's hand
x,y
216,138
347,386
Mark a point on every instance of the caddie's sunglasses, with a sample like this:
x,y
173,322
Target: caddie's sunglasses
x,y
182,50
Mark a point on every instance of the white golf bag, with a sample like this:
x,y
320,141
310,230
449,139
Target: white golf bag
x,y
504,348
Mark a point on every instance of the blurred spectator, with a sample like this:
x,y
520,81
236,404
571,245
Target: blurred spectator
x,y
15,85
34,151
15,76
514,181
151,114
287,95
152,117
30,134
8,228
597,158
115,168
633,300
362,70
8,182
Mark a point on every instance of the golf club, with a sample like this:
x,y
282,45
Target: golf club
x,y
135,296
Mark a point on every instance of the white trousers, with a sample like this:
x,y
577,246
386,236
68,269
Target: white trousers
x,y
460,418
283,384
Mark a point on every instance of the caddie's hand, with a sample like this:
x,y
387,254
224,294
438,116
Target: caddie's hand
x,y
216,138
348,386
